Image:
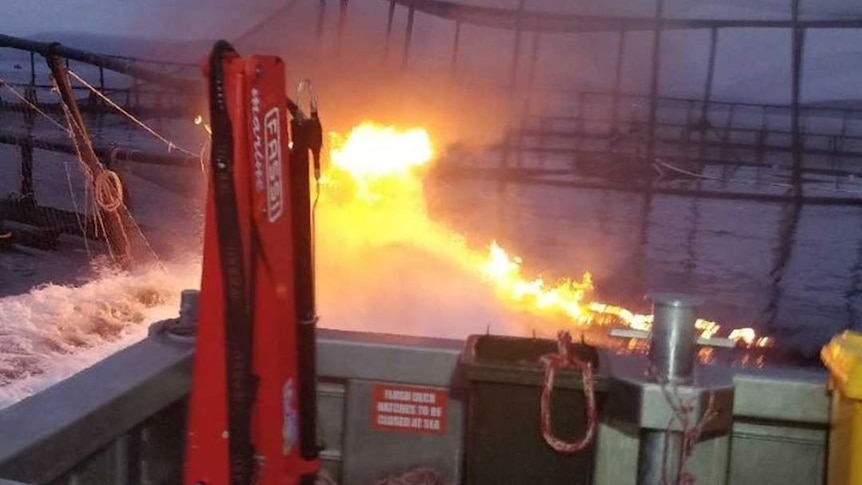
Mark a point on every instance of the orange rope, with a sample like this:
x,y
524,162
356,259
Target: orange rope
x,y
561,360
109,190
691,430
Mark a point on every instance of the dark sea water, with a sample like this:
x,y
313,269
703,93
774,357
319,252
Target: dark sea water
x,y
792,273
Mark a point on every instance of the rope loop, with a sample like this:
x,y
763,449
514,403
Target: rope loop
x,y
108,190
561,360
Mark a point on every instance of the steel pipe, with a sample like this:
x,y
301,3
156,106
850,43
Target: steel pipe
x,y
672,352
673,346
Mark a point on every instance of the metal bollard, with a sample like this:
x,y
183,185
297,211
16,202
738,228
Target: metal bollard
x,y
672,352
673,346
189,308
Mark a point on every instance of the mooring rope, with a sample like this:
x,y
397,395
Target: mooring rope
x,y
563,359
171,145
690,430
32,106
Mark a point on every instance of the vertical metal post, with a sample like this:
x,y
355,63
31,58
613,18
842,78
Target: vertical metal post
x,y
672,352
390,19
659,457
788,226
137,87
651,135
342,21
710,73
839,147
725,142
618,82
581,129
526,108
798,34
686,130
704,123
321,18
513,81
655,79
454,62
516,47
102,79
189,308
32,69
27,191
673,346
408,35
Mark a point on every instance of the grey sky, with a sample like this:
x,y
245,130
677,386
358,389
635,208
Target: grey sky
x,y
754,65
193,19
171,19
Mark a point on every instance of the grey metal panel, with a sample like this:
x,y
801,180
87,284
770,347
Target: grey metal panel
x,y
331,402
58,429
767,453
348,356
709,460
10,482
636,398
49,433
616,455
161,441
796,395
370,454
394,358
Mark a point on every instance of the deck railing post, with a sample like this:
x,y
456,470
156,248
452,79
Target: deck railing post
x,y
672,352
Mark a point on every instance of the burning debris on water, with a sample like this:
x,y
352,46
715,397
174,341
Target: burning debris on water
x,y
371,202
372,196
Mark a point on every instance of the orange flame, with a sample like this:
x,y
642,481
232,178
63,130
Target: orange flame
x,y
373,183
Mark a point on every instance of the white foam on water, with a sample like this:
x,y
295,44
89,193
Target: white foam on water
x,y
54,331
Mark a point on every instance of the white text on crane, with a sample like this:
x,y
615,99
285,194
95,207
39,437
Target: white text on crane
x,y
268,152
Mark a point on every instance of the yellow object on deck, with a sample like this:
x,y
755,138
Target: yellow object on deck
x,y
843,358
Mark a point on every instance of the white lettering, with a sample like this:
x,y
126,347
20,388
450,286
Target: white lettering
x,y
274,188
257,143
395,395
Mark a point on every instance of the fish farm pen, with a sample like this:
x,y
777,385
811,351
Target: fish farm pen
x,y
615,139
608,140
119,114
121,93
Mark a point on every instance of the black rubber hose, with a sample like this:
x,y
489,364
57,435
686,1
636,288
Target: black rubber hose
x,y
306,313
238,331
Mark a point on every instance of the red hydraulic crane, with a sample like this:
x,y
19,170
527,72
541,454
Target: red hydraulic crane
x,y
252,409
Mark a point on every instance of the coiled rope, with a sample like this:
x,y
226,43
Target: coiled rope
x,y
108,190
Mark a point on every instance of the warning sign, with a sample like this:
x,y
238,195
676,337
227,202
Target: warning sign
x,y
412,409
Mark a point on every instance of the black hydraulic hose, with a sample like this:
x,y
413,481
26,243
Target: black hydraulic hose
x,y
303,250
238,331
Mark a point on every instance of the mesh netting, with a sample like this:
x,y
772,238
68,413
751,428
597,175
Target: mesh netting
x,y
59,175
